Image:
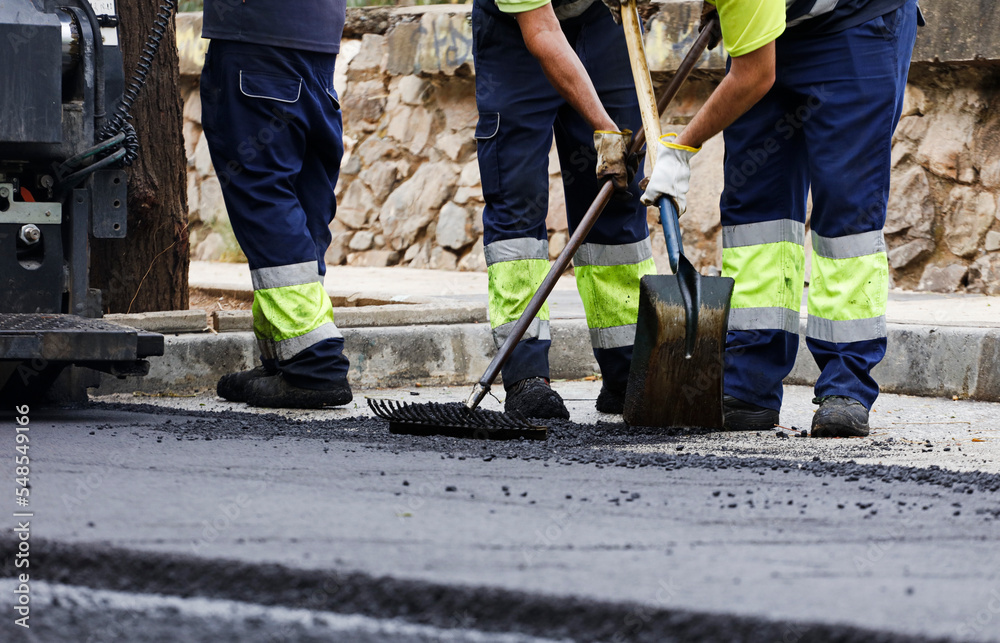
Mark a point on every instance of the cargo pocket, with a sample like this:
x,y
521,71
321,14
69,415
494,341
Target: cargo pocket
x,y
486,141
284,89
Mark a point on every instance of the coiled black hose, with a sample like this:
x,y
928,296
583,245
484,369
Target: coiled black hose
x,y
119,122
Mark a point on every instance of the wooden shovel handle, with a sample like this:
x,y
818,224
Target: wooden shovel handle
x,y
640,74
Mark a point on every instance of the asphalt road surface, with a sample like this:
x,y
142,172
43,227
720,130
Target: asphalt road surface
x,y
205,523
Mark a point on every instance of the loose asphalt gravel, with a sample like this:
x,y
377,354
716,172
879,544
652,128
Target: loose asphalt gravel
x,y
192,519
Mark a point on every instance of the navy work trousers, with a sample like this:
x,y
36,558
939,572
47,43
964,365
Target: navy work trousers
x,y
519,111
273,124
827,124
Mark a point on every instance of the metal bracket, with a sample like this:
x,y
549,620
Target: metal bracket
x,y
12,211
108,210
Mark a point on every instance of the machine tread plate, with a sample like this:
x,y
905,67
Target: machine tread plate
x,y
70,338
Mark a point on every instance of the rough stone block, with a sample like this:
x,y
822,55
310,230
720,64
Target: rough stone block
x,y
375,259
943,278
192,106
453,227
371,55
984,275
166,321
908,253
357,206
211,205
970,215
911,205
361,241
203,158
191,47
414,90
413,205
470,174
381,178
192,134
992,242
365,101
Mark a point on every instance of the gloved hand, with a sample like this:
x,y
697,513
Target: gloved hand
x,y
672,173
613,157
615,7
708,12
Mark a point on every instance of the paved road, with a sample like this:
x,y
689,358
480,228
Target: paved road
x,y
601,533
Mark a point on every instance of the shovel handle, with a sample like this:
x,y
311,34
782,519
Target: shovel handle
x,y
671,231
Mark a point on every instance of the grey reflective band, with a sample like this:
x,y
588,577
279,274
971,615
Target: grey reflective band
x,y
294,274
764,319
818,9
846,331
516,250
597,254
755,234
537,329
289,348
853,245
614,337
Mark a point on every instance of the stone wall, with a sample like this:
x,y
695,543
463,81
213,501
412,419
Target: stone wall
x,y
410,194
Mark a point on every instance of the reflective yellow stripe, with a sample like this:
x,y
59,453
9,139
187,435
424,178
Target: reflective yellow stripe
x,y
615,337
290,311
769,275
610,294
290,275
511,285
537,329
843,332
849,289
516,250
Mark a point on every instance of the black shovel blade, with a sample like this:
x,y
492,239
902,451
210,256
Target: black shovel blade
x,y
666,388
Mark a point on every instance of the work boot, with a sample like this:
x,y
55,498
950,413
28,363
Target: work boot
x,y
532,397
611,399
235,386
744,416
274,392
839,417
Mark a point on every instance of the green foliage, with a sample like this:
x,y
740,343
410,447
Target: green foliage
x,y
191,5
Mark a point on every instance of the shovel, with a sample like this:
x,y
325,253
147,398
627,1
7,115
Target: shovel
x,y
680,338
676,375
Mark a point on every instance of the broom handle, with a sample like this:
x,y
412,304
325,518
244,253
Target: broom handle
x,y
583,228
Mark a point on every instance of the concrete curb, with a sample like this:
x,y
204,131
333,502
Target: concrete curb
x,y
933,361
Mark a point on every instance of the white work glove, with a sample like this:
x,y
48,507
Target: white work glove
x,y
613,158
671,174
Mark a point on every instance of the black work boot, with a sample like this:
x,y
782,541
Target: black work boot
x,y
611,399
275,392
235,386
744,416
532,397
839,417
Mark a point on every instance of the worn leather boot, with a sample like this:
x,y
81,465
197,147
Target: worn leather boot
x,y
532,397
611,399
839,417
235,386
275,392
744,416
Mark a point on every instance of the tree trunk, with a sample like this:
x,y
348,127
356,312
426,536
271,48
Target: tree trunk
x,y
148,270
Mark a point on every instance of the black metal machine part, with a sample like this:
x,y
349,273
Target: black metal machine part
x,y
61,184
